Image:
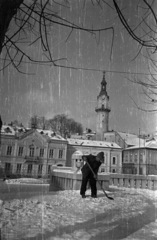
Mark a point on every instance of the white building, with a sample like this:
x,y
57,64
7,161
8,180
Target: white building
x,y
112,153
32,153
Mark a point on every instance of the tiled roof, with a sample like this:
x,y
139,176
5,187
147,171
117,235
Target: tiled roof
x,y
93,143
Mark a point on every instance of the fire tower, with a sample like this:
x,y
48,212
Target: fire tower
x,y
102,110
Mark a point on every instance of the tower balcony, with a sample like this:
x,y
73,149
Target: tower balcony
x,y
102,109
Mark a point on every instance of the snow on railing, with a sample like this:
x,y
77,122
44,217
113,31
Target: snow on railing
x,y
133,181
67,178
70,179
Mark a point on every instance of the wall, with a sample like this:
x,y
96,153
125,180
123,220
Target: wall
x,y
133,181
117,167
108,155
109,137
38,142
140,161
67,178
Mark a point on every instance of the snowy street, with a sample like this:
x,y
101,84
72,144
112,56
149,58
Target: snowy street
x,y
32,212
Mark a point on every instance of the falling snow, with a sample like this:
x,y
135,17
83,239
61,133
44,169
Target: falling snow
x,y
46,90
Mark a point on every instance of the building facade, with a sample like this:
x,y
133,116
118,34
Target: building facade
x,y
32,154
140,159
112,153
124,140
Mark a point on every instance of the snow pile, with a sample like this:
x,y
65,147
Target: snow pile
x,y
25,180
65,215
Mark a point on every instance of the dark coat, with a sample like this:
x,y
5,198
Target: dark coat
x,y
93,163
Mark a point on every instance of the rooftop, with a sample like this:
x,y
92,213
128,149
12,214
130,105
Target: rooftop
x,y
51,134
93,143
150,144
7,130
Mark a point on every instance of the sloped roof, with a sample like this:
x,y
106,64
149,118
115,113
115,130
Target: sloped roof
x,y
7,130
75,136
150,144
82,142
131,139
50,134
84,136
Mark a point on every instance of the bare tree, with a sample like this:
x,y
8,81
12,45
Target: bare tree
x,y
37,17
65,126
32,17
33,122
145,34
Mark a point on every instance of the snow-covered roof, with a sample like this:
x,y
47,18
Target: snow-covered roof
x,y
75,136
51,134
93,143
131,139
151,144
7,130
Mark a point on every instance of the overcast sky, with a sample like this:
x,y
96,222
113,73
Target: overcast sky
x,y
51,90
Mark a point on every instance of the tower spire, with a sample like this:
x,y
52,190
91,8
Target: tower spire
x,y
103,85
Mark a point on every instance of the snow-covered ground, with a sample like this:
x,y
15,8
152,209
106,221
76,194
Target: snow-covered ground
x,y
25,180
30,211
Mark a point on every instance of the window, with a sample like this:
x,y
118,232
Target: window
x,y
20,152
41,154
9,150
31,152
140,171
126,157
103,162
113,170
113,160
49,169
18,169
51,153
135,157
102,170
7,167
29,169
7,130
40,167
130,157
60,154
141,156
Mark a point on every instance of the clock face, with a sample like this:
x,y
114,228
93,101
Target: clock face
x,y
103,100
